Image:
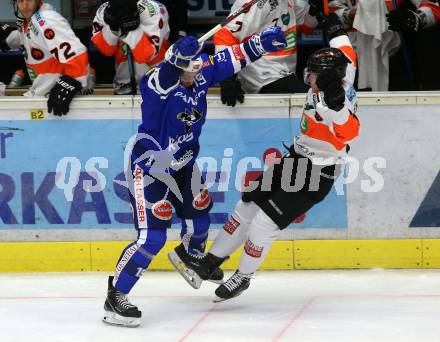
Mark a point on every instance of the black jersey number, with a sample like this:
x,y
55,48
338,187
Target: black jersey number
x,y
239,26
65,48
155,40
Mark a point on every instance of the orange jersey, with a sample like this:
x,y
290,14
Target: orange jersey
x,y
325,133
148,43
51,49
291,15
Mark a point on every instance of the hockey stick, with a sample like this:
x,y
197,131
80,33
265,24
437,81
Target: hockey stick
x,y
243,9
131,71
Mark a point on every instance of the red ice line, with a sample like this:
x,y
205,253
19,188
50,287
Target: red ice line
x,y
294,318
198,323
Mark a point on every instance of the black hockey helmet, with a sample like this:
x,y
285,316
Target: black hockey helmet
x,y
326,59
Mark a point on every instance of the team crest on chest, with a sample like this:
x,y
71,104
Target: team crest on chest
x,y
189,118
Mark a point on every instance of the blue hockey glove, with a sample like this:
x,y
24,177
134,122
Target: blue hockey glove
x,y
183,52
270,40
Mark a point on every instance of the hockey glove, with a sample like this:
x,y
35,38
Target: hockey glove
x,y
316,7
5,31
270,40
333,26
111,16
129,17
62,94
405,20
334,94
231,92
182,52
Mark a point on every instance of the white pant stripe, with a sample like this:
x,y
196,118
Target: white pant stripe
x,y
141,210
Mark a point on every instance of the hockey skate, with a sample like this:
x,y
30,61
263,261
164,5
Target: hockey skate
x,y
233,287
118,310
194,269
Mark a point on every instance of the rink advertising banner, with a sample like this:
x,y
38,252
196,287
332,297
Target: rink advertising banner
x,y
208,8
63,173
389,190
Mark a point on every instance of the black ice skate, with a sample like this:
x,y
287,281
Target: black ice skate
x,y
118,310
233,287
194,269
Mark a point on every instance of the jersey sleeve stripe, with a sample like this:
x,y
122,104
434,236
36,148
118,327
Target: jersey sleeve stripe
x,y
343,43
347,131
75,67
154,84
144,50
103,46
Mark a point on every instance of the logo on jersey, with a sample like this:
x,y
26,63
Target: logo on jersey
x,y
189,99
272,3
285,18
304,124
189,119
39,19
182,161
162,210
151,9
33,29
37,54
237,52
173,143
253,250
202,200
49,34
221,57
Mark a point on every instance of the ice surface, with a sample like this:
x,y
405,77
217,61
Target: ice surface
x,y
377,305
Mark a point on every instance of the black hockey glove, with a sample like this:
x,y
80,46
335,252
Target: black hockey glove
x,y
334,94
316,7
5,31
231,92
129,17
332,26
113,12
62,94
405,20
129,23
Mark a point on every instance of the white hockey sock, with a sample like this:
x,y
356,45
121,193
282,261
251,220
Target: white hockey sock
x,y
262,233
234,232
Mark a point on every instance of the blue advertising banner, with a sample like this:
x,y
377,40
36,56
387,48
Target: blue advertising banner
x,y
33,195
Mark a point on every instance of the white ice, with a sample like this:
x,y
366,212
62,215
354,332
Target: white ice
x,y
375,305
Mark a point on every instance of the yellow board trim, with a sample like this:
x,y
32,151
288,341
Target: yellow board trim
x,y
284,255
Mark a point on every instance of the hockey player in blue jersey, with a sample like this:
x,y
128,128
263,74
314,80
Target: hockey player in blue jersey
x,y
163,174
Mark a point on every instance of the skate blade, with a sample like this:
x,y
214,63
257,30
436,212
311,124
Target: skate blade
x,y
113,318
189,275
219,300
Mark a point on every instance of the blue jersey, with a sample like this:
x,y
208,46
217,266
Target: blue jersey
x,y
173,115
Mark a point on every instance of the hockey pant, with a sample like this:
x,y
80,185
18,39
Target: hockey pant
x,y
153,204
284,192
